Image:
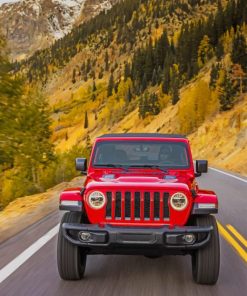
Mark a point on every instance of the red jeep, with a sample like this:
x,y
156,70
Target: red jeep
x,y
139,197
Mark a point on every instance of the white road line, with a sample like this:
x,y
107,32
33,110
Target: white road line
x,y
230,175
11,267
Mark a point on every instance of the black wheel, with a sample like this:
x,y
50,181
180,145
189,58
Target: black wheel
x,y
71,260
206,261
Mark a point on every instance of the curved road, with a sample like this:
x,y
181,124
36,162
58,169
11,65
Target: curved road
x,y
131,275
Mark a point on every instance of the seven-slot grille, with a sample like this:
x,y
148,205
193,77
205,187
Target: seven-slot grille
x,y
137,205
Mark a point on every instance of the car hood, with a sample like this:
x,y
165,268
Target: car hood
x,y
139,181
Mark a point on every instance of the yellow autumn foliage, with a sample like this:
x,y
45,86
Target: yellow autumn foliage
x,y
197,104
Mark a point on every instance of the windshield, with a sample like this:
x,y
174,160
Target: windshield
x,y
155,154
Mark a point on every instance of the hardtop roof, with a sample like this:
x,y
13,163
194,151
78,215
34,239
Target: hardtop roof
x,y
143,135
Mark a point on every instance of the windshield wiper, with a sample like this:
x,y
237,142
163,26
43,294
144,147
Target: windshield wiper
x,y
151,166
111,165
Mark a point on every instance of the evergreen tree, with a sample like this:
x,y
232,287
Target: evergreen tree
x,y
227,94
166,81
11,91
149,63
162,47
34,146
88,66
154,77
110,86
154,104
144,83
214,75
239,52
126,71
141,107
106,59
74,76
219,50
94,88
175,94
128,95
86,121
175,84
159,75
205,51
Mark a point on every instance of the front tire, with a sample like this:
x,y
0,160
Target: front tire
x,y
71,260
206,261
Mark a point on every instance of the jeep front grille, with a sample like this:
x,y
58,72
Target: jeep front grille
x,y
137,205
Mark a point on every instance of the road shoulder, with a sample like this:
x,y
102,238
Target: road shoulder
x,y
27,210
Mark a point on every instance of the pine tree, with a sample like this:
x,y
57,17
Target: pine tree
x,y
219,50
159,75
205,51
227,94
149,63
86,121
74,76
110,85
141,107
34,148
11,91
154,77
175,84
239,52
162,47
88,66
144,83
154,104
128,95
106,61
166,81
214,75
126,71
175,94
94,88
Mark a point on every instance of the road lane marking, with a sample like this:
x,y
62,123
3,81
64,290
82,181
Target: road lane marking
x,y
231,241
11,267
227,174
237,234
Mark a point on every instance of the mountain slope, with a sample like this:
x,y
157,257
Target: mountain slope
x,y
82,84
31,25
175,66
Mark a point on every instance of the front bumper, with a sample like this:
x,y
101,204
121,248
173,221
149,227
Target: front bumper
x,y
121,240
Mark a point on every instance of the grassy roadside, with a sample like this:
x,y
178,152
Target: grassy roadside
x,y
27,210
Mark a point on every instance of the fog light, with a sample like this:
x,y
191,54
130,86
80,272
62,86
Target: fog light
x,y
85,236
189,238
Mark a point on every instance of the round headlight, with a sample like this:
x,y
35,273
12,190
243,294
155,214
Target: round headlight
x,y
179,201
96,200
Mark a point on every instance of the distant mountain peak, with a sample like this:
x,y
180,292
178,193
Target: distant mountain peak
x,y
30,25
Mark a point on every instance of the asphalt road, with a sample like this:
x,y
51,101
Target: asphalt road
x,y
135,275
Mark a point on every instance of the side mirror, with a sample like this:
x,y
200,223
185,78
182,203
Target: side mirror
x,y
201,167
81,164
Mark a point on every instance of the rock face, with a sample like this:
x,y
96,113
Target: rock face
x,y
30,25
